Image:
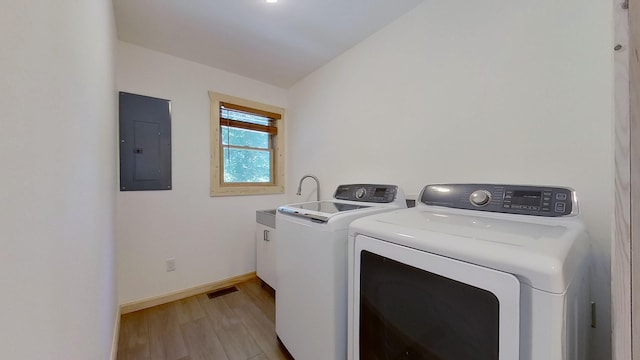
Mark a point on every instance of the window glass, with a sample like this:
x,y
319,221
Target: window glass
x,y
243,137
247,165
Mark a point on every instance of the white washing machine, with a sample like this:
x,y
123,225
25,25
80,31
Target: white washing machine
x,y
311,268
474,271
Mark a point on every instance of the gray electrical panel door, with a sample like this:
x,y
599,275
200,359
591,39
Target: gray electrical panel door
x,y
145,143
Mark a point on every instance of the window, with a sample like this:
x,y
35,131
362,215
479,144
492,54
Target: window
x,y
247,142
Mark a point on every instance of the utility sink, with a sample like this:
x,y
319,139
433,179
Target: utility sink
x,y
266,217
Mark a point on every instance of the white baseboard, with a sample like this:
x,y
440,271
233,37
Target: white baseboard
x,y
163,299
116,336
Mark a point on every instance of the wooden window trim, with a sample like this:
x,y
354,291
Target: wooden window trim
x,y
275,129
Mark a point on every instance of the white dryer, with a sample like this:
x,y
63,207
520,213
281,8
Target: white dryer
x,y
311,267
474,271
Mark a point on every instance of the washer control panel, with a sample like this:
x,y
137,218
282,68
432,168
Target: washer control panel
x,y
513,199
366,193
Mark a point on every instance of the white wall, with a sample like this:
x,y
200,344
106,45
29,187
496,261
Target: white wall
x,y
466,91
212,238
57,201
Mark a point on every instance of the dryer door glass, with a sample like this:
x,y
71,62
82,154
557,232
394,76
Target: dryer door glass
x,y
409,313
412,304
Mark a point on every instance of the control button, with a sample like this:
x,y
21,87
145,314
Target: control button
x,y
506,206
561,196
545,209
480,197
546,193
360,193
560,207
545,204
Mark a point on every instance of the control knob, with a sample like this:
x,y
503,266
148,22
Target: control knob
x,y
360,193
480,197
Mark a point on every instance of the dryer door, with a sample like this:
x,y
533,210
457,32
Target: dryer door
x,y
411,304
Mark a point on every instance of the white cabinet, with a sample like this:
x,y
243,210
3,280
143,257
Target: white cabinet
x,y
266,254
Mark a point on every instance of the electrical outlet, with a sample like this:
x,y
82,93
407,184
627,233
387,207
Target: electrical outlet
x,y
171,264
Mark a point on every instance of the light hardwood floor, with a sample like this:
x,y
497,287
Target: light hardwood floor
x,y
235,326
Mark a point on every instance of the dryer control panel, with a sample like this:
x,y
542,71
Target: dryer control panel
x,y
513,199
367,193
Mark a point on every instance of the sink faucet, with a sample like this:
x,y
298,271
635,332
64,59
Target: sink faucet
x,y
317,186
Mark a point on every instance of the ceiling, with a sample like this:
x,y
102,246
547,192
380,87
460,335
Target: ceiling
x,y
277,43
